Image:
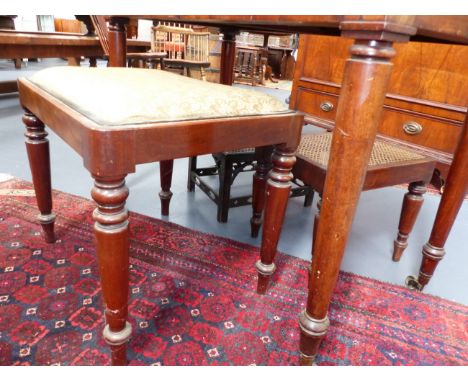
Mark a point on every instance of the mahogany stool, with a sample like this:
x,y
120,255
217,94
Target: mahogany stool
x,y
116,118
389,165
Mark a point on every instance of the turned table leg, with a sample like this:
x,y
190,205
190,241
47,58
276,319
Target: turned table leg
x,y
456,188
366,76
277,194
228,53
263,158
112,247
37,146
412,203
165,195
117,41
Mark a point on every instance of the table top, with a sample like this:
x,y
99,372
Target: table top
x,y
450,28
14,37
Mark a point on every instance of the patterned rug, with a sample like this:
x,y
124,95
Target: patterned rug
x,y
193,300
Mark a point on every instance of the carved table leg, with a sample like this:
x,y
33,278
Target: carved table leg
x,y
37,146
277,194
456,188
365,82
111,233
412,203
165,195
117,41
263,158
228,53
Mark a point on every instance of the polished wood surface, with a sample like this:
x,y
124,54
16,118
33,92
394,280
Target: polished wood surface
x,y
358,116
14,44
47,44
446,28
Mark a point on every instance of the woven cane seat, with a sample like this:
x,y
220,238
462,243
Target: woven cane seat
x,y
316,148
129,96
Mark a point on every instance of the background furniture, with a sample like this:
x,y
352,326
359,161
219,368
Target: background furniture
x,y
15,44
424,108
249,65
454,194
185,47
389,165
141,58
67,26
425,104
228,165
366,79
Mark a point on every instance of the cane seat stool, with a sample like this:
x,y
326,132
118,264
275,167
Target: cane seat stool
x,y
116,118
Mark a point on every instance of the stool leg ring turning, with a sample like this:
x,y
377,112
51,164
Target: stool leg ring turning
x,y
112,247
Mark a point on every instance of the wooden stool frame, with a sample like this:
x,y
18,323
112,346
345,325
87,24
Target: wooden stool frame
x,y
110,153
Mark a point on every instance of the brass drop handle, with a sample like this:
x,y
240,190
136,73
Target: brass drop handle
x,y
326,106
412,128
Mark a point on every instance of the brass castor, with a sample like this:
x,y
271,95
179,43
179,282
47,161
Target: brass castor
x,y
412,283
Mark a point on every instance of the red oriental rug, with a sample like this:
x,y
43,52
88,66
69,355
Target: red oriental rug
x,y
193,300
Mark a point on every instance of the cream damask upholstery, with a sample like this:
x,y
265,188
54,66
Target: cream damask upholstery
x,y
126,96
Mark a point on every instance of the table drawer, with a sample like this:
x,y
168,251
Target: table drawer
x,y
422,131
317,104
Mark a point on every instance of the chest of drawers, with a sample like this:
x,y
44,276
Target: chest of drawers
x,y
424,109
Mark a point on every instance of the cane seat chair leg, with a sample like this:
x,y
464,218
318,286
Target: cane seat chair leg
x,y
389,165
412,203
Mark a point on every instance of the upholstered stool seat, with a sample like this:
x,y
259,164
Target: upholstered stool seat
x,y
116,118
125,96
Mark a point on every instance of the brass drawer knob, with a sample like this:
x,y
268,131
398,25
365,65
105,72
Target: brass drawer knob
x,y
326,106
412,128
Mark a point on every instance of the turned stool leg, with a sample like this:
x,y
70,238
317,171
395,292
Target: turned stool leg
x,y
165,195
37,146
277,191
412,203
224,190
111,233
263,158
